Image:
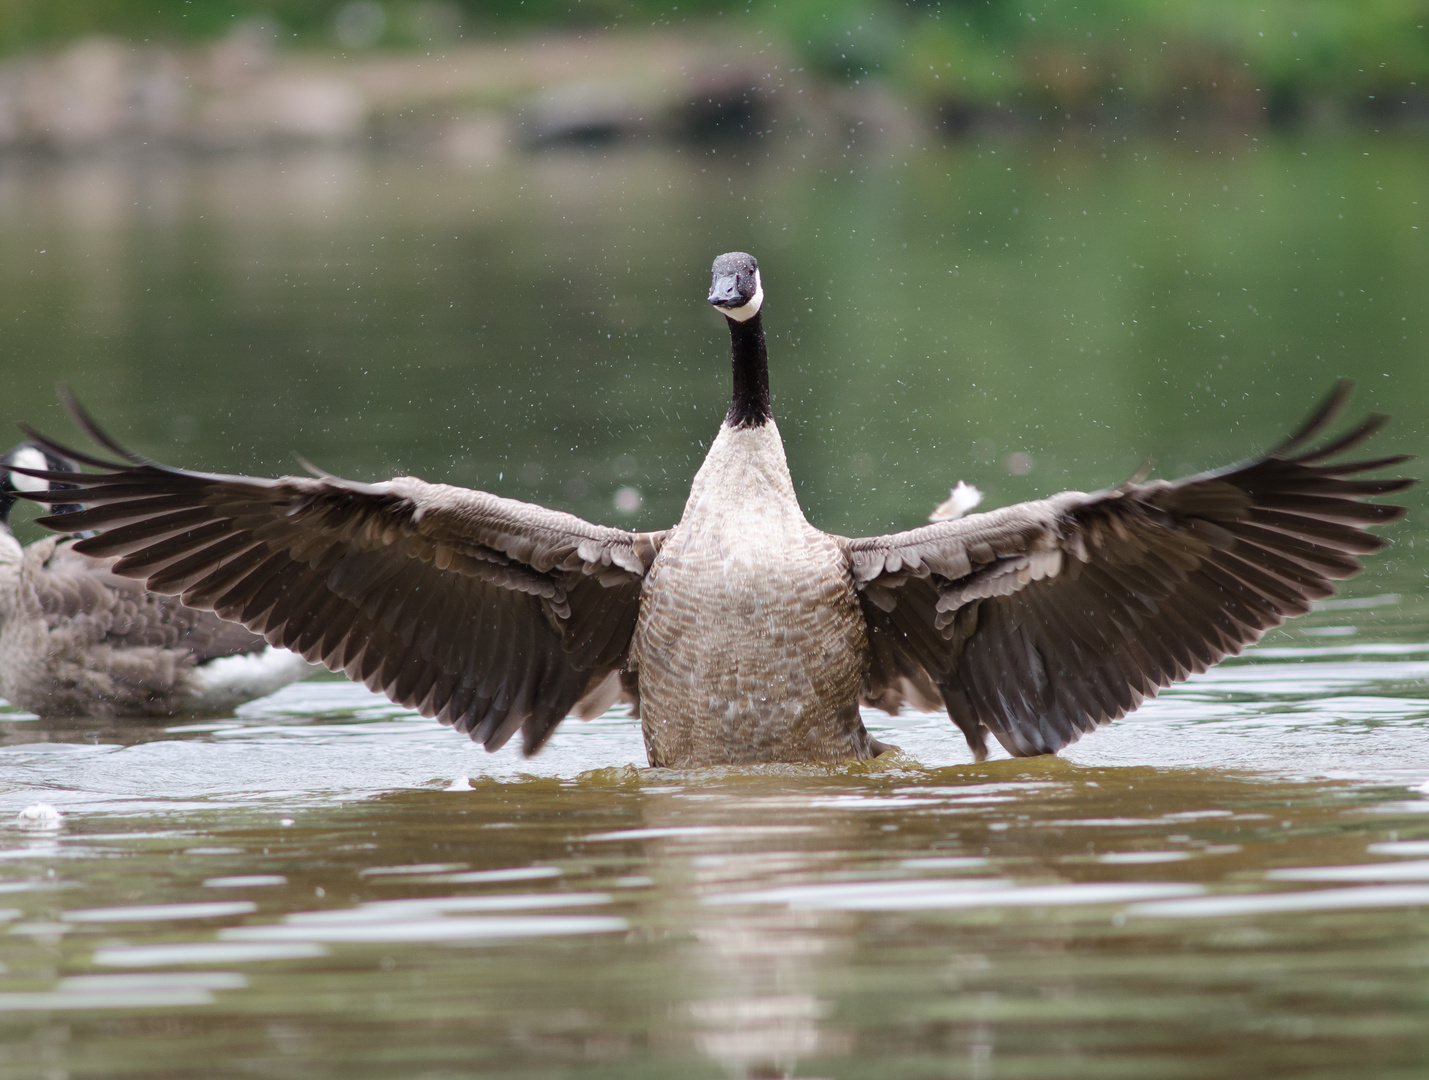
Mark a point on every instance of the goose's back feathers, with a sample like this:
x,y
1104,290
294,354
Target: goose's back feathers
x,y
65,585
491,614
79,640
1041,621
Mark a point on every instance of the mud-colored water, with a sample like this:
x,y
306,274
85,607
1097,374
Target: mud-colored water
x,y
1228,883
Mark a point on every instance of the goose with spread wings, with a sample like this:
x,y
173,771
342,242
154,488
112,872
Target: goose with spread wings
x,y
744,634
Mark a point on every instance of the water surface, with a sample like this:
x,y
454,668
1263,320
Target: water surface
x,y
1228,883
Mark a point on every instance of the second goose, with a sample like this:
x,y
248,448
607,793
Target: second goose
x,y
743,633
77,639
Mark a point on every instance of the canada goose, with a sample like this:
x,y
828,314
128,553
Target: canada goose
x,y
743,633
78,640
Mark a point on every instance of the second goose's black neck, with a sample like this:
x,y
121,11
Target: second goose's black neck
x,y
749,405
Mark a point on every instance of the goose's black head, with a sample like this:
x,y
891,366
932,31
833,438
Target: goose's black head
x,y
12,484
735,287
737,293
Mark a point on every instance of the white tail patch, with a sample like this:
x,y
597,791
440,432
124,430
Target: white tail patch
x,y
223,684
959,501
29,458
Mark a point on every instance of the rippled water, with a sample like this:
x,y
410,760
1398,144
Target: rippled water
x,y
1228,883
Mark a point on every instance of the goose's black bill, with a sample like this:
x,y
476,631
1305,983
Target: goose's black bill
x,y
725,292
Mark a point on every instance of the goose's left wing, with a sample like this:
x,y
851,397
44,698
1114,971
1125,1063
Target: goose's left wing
x,y
1041,621
490,614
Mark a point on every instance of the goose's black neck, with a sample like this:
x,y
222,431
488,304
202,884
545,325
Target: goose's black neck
x,y
749,405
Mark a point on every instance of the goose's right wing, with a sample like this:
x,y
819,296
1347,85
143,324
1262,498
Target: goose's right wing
x,y
1039,622
490,614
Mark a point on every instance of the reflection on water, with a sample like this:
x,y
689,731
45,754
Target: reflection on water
x,y
296,888
1228,883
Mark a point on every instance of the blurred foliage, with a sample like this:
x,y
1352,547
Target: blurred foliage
x,y
1036,47
1098,58
28,24
1218,56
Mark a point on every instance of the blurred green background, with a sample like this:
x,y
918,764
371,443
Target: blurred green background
x,y
1295,59
1026,246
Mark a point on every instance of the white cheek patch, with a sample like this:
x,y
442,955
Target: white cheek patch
x,y
751,309
29,458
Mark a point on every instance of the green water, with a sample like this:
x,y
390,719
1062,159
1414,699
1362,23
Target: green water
x,y
1228,883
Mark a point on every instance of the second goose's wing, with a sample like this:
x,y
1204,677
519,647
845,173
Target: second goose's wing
x,y
490,614
1041,621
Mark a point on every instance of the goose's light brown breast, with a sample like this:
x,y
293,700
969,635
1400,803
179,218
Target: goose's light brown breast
x,y
750,645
